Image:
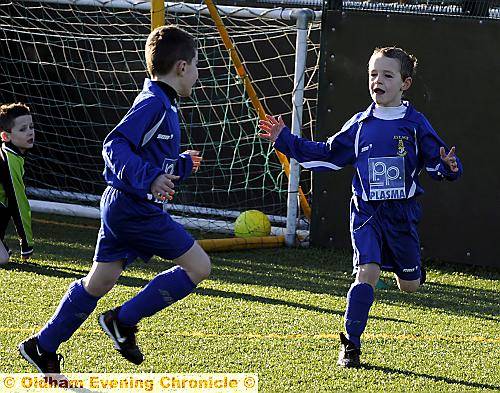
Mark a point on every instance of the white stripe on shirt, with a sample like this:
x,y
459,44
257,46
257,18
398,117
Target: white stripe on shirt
x,y
429,169
413,187
356,141
152,131
364,196
315,164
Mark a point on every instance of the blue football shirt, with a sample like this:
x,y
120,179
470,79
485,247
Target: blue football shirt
x,y
145,144
388,155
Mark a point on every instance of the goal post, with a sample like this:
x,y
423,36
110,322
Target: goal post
x,y
79,64
157,13
291,169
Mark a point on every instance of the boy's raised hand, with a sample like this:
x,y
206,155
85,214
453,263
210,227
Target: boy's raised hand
x,y
163,186
450,159
272,127
197,159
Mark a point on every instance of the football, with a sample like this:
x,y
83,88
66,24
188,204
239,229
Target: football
x,y
252,223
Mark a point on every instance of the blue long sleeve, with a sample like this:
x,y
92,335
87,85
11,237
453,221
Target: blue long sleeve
x,y
387,154
127,166
336,153
184,167
430,144
301,149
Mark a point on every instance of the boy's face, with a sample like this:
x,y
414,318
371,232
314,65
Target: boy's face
x,y
189,76
22,133
385,82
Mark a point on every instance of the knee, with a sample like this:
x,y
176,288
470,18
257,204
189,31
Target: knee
x,y
98,286
409,287
200,270
368,274
204,268
4,260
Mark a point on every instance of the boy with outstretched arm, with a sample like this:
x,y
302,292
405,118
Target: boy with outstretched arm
x,y
388,144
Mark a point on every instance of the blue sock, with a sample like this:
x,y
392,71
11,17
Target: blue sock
x,y
163,290
359,300
75,307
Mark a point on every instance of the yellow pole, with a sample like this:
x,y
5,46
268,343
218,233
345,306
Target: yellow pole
x,y
157,13
240,69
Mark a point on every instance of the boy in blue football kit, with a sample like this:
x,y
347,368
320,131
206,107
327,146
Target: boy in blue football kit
x,y
142,168
388,144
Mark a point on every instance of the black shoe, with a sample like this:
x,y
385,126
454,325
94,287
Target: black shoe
x,y
423,275
349,354
123,336
45,362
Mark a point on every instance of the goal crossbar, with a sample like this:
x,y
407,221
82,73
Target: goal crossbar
x,y
289,14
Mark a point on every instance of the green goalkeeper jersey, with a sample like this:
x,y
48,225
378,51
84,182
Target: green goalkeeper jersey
x,y
13,200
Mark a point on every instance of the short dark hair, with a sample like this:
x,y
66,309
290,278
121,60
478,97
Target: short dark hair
x,y
165,46
9,112
407,61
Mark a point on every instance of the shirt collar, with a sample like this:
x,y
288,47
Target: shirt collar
x,y
390,112
369,111
153,87
169,91
9,146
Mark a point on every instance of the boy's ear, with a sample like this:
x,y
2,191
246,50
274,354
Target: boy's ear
x,y
5,136
406,84
180,67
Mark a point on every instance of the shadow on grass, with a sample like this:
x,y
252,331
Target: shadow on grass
x,y
434,378
279,302
450,299
46,270
299,273
321,271
136,282
67,272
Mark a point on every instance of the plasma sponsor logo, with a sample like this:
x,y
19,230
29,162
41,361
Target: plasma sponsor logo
x,y
386,178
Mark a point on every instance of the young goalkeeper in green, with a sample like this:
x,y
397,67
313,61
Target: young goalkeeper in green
x,y
18,136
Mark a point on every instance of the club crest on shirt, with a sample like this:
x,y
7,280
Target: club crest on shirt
x,y
401,146
169,165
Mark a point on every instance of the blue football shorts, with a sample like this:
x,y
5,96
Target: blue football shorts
x,y
385,232
132,228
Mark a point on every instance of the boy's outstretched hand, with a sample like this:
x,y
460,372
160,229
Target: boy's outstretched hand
x,y
195,156
272,127
450,159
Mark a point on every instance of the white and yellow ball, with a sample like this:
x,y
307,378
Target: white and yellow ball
x,y
252,223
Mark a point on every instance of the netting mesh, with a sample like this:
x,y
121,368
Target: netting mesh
x,y
79,67
452,8
455,8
